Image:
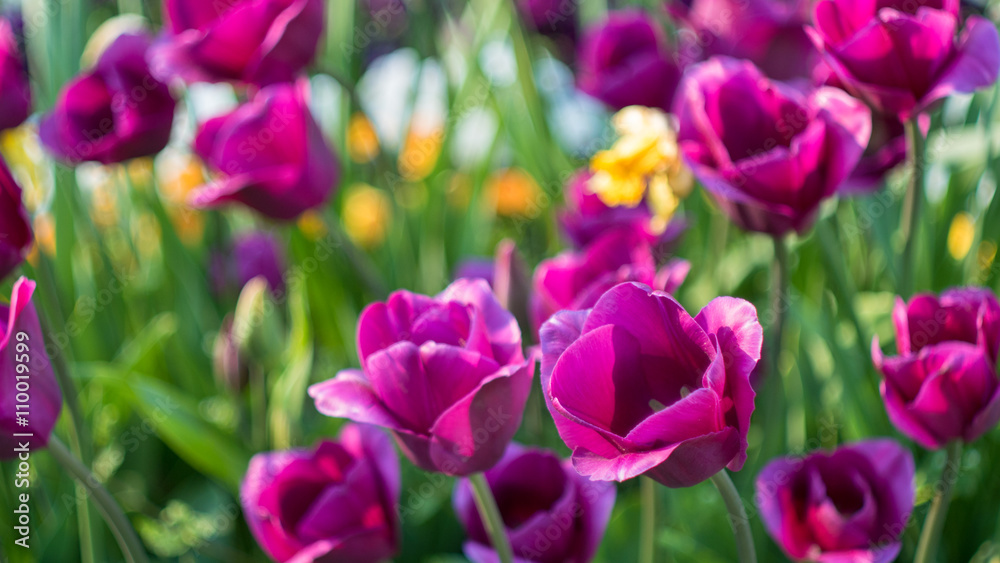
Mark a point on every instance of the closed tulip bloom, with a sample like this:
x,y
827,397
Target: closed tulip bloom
x,y
871,48
638,387
259,42
586,217
850,505
15,228
446,374
575,280
549,17
336,502
15,90
551,512
768,153
114,112
256,254
943,385
271,156
26,375
625,61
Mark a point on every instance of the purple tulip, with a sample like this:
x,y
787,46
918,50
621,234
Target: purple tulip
x,y
850,505
551,512
445,374
586,217
575,280
334,503
115,112
31,400
886,150
556,18
636,386
624,61
259,42
870,46
506,274
769,33
253,254
943,385
15,90
15,228
768,153
271,155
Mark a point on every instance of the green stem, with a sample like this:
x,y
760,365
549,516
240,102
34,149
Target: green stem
x,y
75,429
490,515
737,517
119,524
915,146
930,536
779,302
647,531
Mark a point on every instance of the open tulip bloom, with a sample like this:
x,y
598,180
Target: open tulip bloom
x,y
943,385
846,506
768,152
902,56
638,387
445,374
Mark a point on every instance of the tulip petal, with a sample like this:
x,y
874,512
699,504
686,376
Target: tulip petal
x,y
976,63
350,395
472,434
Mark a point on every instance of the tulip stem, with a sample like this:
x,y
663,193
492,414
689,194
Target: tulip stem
x,y
647,530
915,146
930,536
737,517
779,301
119,524
490,515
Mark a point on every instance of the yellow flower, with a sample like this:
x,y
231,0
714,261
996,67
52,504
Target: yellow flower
x,y
362,140
645,158
312,225
367,215
420,153
513,192
961,235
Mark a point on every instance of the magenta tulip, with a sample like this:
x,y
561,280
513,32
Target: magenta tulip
x,y
259,42
871,48
769,153
850,505
271,155
15,228
31,400
575,280
114,112
586,217
446,374
551,513
886,150
638,387
625,61
15,90
943,386
336,502
769,33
